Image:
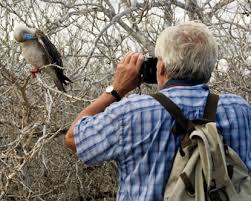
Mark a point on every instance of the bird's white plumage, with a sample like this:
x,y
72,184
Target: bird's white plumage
x,y
33,53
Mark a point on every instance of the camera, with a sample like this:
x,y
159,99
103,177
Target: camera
x,y
148,70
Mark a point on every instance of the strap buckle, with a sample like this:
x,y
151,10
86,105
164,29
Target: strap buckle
x,y
218,195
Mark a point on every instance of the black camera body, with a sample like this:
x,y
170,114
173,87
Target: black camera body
x,y
148,70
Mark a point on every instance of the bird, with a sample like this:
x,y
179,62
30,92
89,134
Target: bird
x,y
39,51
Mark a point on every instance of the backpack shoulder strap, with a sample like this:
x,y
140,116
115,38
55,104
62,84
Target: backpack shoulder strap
x,y
174,111
211,107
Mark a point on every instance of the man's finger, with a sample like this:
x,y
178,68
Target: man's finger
x,y
140,61
122,60
128,57
134,58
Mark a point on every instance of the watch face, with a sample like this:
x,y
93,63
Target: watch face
x,y
109,89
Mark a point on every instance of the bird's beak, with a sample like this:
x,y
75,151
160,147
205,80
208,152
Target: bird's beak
x,y
28,36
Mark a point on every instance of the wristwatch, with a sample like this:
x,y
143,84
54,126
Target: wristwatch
x,y
110,90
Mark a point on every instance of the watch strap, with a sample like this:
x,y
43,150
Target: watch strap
x,y
116,95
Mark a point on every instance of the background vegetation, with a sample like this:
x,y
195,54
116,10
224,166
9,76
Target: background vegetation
x,y
92,35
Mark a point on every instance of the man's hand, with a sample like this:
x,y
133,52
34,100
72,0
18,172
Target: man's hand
x,y
127,73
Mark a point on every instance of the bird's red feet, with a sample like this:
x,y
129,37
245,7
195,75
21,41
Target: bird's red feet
x,y
34,71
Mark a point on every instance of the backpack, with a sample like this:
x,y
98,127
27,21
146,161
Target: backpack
x,y
204,169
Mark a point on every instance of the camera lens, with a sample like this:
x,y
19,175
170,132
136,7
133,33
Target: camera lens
x,y
148,71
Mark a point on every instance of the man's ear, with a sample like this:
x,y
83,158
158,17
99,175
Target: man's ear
x,y
162,68
161,73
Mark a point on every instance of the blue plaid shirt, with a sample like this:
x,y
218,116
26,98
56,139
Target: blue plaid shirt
x,y
136,133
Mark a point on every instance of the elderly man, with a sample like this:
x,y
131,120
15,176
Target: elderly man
x,y
136,131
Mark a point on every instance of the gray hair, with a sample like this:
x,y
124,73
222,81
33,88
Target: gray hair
x,y
188,50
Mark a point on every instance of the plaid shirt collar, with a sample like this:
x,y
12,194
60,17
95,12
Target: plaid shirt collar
x,y
174,83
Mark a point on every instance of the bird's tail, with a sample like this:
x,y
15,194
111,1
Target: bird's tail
x,y
66,80
63,80
59,85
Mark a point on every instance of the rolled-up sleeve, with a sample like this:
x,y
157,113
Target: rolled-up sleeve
x,y
98,137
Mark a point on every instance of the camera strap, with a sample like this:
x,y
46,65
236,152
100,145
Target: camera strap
x,y
139,90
